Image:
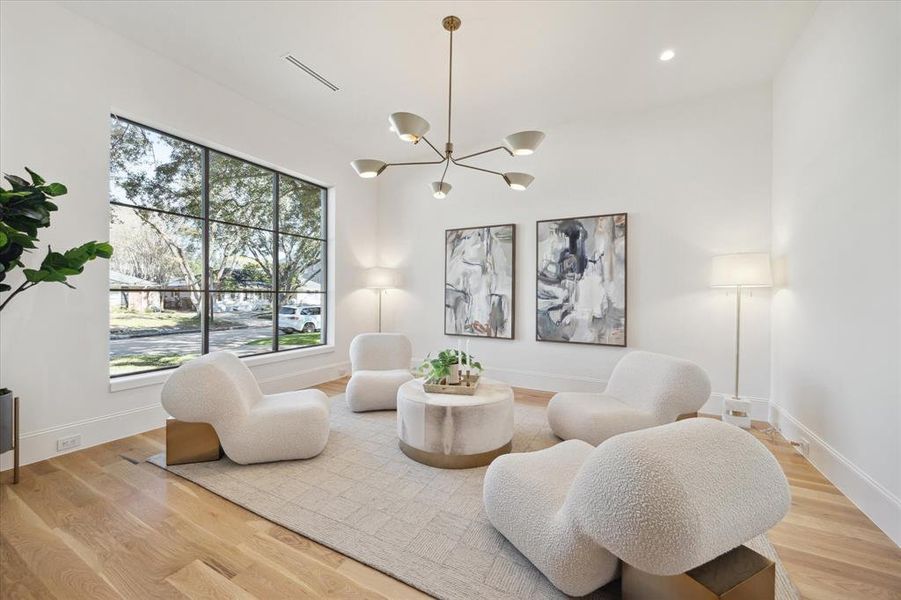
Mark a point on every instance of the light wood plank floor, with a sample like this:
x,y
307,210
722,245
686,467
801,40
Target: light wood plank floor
x,y
102,523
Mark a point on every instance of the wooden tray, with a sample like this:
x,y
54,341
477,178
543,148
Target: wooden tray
x,y
466,387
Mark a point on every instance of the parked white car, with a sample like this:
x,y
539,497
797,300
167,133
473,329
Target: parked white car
x,y
292,319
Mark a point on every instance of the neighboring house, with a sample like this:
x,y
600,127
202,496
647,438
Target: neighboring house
x,y
136,298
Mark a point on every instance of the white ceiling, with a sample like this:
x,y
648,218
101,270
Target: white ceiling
x,y
517,65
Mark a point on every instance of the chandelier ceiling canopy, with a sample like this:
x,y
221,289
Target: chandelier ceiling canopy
x,y
412,128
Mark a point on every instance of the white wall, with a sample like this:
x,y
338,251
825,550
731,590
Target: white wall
x,y
695,180
61,78
837,318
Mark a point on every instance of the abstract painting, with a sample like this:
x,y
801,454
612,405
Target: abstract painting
x,y
479,266
581,288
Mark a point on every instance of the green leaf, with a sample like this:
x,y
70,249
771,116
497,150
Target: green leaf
x,y
8,195
53,189
24,210
34,276
33,213
35,178
17,182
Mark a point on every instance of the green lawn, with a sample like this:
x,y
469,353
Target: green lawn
x,y
131,363
146,362
291,339
132,321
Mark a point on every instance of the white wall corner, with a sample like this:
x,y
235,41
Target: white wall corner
x,y
305,378
873,499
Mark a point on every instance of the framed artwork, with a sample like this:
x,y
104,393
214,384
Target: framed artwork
x,y
479,273
581,280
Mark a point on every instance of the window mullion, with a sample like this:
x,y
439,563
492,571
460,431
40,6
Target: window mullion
x,y
206,303
275,265
323,230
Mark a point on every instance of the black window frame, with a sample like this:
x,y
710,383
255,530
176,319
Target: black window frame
x,y
206,221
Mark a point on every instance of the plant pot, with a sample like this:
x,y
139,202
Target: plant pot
x,y
6,422
453,375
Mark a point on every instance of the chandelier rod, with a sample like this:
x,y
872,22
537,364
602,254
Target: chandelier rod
x,y
450,85
402,164
459,164
486,152
443,175
437,151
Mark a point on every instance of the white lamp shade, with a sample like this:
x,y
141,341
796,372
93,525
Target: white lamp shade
x,y
440,190
408,127
750,269
518,181
381,278
367,168
524,142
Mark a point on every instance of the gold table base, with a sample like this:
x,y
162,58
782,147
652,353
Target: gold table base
x,y
453,461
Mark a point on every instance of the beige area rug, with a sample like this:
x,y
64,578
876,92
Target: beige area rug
x,y
424,526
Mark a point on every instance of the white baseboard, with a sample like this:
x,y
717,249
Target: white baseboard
x,y
304,379
873,499
547,382
41,444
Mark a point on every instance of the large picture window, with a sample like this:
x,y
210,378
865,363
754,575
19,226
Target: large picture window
x,y
212,253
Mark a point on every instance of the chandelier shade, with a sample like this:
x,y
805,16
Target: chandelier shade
x,y
367,168
408,127
518,181
524,142
412,128
440,189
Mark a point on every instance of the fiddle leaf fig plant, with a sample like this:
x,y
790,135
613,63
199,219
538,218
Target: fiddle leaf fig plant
x,y
436,369
24,209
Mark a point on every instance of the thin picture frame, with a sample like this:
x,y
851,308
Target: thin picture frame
x,y
512,336
625,217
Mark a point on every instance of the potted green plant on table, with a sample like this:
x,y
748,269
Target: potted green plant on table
x,y
446,366
24,209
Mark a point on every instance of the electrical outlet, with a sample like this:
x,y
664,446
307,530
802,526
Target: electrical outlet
x,y
67,443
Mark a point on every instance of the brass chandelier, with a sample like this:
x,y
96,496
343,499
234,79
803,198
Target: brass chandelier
x,y
412,128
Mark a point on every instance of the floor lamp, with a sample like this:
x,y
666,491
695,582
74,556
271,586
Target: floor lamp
x,y
381,279
739,271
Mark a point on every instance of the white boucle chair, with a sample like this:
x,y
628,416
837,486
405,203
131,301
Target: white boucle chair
x,y
644,390
219,389
665,500
380,364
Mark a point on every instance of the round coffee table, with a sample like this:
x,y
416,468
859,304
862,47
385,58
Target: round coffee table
x,y
449,431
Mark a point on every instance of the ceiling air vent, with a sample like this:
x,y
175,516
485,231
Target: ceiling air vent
x,y
291,59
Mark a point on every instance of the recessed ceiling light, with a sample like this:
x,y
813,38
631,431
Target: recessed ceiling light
x,y
667,54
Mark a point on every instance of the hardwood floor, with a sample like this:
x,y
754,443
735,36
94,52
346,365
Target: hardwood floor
x,y
102,523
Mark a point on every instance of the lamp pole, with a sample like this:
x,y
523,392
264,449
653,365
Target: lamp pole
x,y
737,335
380,292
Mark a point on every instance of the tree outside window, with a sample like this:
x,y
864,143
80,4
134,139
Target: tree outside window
x,y
209,247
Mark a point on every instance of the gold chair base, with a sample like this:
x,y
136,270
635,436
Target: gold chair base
x,y
740,574
191,442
